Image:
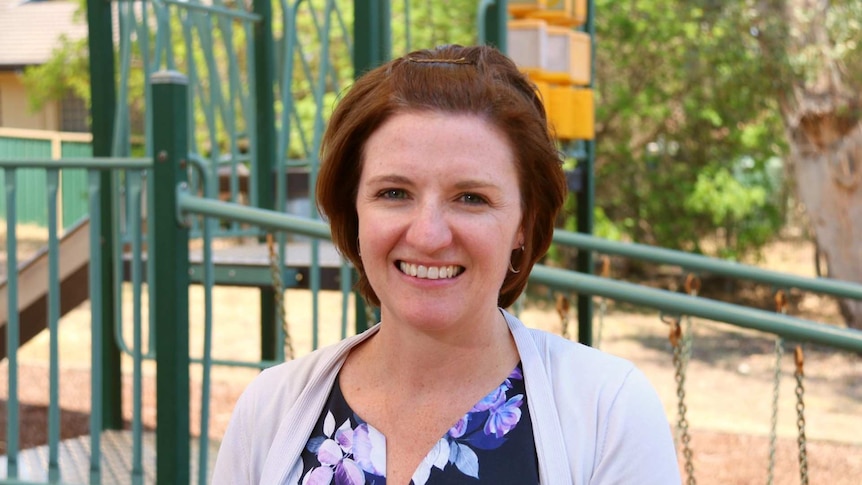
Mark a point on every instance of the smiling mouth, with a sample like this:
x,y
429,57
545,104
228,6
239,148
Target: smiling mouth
x,y
430,272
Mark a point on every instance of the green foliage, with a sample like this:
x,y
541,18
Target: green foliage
x,y
682,92
64,74
730,205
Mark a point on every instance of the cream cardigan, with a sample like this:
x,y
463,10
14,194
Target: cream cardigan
x,y
596,418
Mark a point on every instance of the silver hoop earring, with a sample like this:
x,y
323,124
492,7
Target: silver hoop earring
x,y
512,268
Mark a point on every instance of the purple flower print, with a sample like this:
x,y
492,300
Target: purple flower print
x,y
503,418
460,427
516,374
334,464
369,449
494,399
346,454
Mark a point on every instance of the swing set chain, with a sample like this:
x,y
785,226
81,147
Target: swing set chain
x,y
800,416
563,311
692,287
680,371
603,304
780,307
278,287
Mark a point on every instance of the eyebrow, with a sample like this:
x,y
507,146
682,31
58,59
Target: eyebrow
x,y
389,179
470,184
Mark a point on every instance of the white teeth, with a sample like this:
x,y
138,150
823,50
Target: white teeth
x,y
430,272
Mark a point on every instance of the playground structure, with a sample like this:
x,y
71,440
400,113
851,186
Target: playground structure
x,y
144,210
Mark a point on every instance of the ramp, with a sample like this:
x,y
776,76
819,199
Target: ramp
x,y
116,459
33,284
246,265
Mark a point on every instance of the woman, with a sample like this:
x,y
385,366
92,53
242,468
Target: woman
x,y
441,184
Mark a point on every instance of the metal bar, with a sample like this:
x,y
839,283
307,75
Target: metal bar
x,y
13,336
265,161
371,34
209,190
696,262
493,23
188,203
775,323
170,143
222,11
101,163
586,202
52,180
97,327
319,125
103,95
257,364
346,281
134,195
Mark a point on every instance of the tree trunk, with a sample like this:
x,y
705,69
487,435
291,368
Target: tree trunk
x,y
821,111
828,184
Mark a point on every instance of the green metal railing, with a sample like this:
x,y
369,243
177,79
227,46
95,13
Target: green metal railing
x,y
770,322
704,264
99,324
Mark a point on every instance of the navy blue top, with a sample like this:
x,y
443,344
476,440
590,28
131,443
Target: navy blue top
x,y
492,444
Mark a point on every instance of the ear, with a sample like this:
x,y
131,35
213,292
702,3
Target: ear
x,y
519,239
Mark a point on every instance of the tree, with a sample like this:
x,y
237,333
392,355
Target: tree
x,y
683,133
699,103
814,46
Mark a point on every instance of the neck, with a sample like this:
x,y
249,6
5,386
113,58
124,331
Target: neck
x,y
424,360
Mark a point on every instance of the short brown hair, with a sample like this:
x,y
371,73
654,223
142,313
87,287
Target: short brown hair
x,y
475,80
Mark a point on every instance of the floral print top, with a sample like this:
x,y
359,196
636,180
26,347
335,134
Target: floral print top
x,y
492,443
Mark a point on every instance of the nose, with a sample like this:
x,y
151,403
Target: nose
x,y
429,229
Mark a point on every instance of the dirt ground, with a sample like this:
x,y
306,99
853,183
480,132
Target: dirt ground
x,y
728,386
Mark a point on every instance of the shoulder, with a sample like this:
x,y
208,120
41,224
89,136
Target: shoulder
x,y
612,421
566,361
282,396
283,383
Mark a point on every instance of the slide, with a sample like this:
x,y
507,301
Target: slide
x,y
33,284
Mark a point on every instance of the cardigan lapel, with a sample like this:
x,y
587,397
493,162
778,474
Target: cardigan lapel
x,y
300,418
547,431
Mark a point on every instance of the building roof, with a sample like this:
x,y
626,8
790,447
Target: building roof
x,y
30,30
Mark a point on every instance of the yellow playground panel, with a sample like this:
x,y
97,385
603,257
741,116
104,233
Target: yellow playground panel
x,y
558,59
571,112
571,13
550,53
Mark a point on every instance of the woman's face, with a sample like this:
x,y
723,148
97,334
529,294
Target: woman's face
x,y
439,210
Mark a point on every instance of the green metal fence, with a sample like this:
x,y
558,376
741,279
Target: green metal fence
x,y
32,183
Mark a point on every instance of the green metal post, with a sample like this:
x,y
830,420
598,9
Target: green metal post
x,y
372,34
493,23
586,203
104,98
171,281
372,46
264,64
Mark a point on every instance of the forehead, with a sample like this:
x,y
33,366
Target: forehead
x,y
443,141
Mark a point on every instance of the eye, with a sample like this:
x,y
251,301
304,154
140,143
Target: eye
x,y
473,199
393,194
